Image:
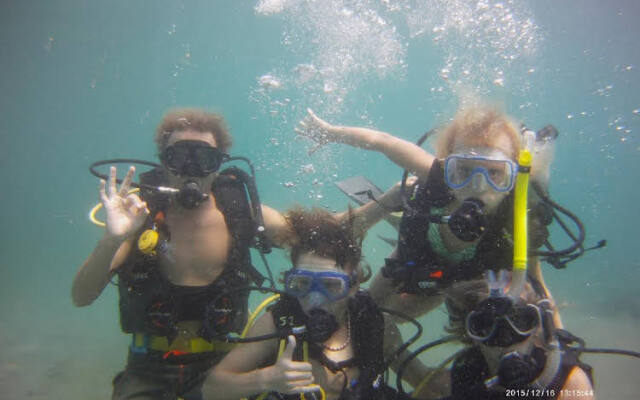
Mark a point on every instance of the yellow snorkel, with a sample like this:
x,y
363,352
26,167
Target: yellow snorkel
x,y
520,231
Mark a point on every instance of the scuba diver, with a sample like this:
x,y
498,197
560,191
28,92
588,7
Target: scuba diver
x,y
177,248
334,343
457,220
514,348
512,345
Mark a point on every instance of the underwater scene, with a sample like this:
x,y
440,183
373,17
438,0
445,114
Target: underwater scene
x,y
86,81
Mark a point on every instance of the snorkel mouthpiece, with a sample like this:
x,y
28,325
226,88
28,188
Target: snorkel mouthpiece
x,y
496,286
191,196
468,222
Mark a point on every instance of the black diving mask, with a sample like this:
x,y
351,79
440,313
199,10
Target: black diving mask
x,y
498,321
192,158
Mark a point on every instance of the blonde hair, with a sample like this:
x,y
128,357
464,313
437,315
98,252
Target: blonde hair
x,y
478,125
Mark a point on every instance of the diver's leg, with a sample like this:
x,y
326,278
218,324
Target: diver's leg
x,y
128,385
143,379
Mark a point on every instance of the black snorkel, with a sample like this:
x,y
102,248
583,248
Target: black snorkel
x,y
559,258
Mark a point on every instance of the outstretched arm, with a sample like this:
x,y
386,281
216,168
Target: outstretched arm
x,y
280,234
403,153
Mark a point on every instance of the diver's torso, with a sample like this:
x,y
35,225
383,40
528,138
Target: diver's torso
x,y
200,244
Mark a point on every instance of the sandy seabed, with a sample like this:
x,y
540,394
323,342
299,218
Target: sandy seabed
x,y
56,364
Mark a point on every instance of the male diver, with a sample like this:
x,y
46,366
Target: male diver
x,y
175,250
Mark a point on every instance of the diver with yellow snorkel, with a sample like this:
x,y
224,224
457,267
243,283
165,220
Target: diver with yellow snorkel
x,y
515,351
457,220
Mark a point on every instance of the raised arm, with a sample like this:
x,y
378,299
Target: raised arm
x,y
403,153
280,234
277,228
125,215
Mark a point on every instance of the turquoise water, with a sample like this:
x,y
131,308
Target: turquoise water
x,y
83,81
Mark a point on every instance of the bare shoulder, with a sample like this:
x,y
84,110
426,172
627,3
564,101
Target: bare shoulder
x,y
577,386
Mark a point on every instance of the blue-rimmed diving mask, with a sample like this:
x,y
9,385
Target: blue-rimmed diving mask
x,y
479,168
333,285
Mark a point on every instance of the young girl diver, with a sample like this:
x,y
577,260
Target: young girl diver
x,y
337,340
513,350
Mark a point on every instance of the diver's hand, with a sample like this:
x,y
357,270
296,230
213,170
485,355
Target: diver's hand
x,y
287,376
125,212
318,130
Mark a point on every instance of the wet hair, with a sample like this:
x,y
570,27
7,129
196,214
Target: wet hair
x,y
320,233
478,126
182,119
463,297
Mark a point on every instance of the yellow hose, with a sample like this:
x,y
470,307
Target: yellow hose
x,y
254,315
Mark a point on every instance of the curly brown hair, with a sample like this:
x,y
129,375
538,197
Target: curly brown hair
x,y
319,232
181,119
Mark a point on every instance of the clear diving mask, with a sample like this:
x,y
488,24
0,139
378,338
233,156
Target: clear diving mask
x,y
480,168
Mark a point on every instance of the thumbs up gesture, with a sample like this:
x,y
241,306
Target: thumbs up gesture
x,y
287,376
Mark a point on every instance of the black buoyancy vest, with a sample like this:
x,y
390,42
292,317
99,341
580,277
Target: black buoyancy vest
x,y
150,304
416,264
470,370
367,327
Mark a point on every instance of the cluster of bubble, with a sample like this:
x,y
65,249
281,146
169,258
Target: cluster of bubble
x,y
348,41
344,43
486,44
